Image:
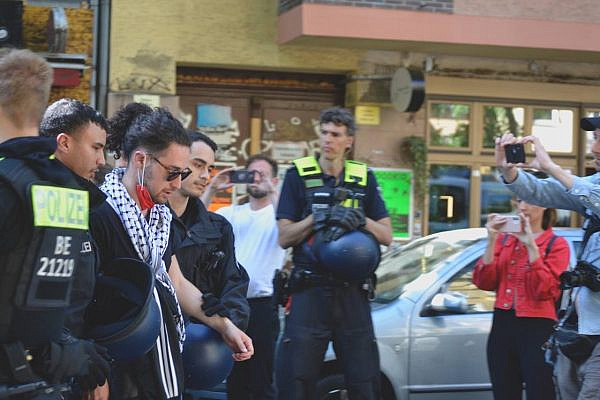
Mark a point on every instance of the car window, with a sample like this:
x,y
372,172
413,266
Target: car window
x,y
399,268
478,300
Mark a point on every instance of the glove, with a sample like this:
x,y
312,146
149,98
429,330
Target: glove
x,y
343,220
320,217
212,305
98,367
58,362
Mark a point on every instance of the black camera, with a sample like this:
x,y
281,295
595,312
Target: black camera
x,y
584,274
515,153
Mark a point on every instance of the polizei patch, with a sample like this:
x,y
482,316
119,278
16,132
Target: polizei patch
x,y
60,207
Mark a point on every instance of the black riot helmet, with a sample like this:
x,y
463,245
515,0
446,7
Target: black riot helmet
x,y
352,257
124,316
207,360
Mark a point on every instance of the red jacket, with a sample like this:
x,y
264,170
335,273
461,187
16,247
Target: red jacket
x,y
534,286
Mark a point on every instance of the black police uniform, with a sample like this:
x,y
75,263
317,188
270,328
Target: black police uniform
x,y
204,247
44,260
318,314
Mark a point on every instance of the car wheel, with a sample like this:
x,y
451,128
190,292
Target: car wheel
x,y
332,387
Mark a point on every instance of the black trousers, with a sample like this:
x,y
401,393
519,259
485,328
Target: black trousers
x,y
319,315
253,379
515,357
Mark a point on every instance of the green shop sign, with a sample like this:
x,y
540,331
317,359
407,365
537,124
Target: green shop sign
x,y
396,191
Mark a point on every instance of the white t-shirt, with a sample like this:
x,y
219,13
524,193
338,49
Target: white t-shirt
x,y
256,246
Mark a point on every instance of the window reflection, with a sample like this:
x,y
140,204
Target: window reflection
x,y
449,187
449,124
554,127
498,120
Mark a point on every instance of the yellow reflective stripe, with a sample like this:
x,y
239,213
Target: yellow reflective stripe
x,y
356,172
59,207
2,158
52,157
307,166
350,203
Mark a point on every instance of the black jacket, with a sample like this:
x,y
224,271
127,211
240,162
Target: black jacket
x,y
204,246
16,226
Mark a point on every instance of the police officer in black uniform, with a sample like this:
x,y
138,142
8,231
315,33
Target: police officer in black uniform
x,y
43,228
80,134
330,197
205,242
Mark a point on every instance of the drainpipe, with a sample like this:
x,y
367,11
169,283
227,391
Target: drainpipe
x,y
101,53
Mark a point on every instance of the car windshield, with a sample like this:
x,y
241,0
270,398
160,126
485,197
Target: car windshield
x,y
404,265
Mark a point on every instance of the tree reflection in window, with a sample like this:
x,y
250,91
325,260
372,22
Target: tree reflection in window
x,y
449,124
498,120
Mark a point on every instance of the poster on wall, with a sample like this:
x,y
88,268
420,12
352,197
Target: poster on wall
x,y
397,192
217,121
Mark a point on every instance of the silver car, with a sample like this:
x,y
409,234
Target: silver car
x,y
431,322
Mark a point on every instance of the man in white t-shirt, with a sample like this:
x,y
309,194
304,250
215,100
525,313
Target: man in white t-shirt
x,y
258,250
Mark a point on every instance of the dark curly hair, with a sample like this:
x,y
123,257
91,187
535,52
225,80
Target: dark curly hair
x,y
121,122
154,132
339,116
68,116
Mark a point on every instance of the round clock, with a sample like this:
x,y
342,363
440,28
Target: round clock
x,y
407,90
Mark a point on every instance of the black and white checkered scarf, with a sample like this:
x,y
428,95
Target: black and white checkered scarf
x,y
150,239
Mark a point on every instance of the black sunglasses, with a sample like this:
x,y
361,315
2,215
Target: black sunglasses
x,y
173,174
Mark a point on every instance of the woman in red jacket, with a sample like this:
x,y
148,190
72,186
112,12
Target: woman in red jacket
x,y
523,268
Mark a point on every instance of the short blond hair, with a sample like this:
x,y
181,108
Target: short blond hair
x,y
25,81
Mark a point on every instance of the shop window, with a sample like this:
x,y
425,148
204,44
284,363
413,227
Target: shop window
x,y
498,120
449,187
554,127
449,125
495,197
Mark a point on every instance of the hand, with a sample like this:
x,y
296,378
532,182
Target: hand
x,y
508,170
98,367
100,393
320,217
542,160
526,234
237,340
494,223
221,180
343,220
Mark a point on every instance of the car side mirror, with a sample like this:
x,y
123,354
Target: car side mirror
x,y
447,303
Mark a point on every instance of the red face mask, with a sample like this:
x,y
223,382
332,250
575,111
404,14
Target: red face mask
x,y
146,202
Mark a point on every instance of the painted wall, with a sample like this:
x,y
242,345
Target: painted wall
x,y
149,38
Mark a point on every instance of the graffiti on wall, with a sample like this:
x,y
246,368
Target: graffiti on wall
x,y
140,82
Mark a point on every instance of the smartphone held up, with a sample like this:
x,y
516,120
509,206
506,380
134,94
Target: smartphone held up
x,y
241,176
515,153
512,225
